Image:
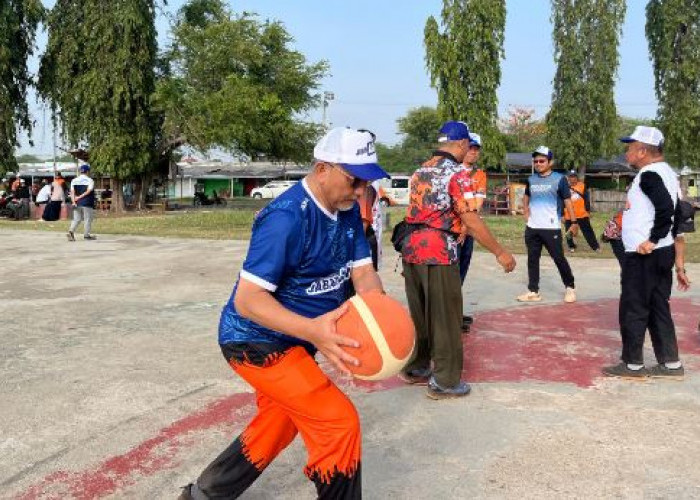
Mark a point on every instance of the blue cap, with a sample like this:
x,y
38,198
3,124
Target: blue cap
x,y
84,167
453,131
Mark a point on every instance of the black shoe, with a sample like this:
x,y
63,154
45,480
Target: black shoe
x,y
467,320
71,236
417,376
621,370
436,391
662,371
89,237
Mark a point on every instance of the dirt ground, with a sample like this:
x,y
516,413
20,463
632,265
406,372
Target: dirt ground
x,y
113,386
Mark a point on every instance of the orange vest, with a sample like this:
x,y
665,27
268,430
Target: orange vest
x,y
577,191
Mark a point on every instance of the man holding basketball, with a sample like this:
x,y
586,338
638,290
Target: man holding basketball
x,y
306,246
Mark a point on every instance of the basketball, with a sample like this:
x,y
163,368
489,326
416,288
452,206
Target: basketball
x,y
385,331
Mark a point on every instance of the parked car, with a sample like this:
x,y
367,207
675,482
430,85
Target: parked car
x,y
272,189
395,191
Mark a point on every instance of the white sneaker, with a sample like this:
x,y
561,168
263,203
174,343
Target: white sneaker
x,y
529,297
570,295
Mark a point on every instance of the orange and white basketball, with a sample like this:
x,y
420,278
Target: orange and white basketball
x,y
385,331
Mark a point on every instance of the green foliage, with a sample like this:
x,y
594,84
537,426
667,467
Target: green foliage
x,y
464,65
419,129
98,73
582,120
625,126
673,33
233,82
28,159
18,23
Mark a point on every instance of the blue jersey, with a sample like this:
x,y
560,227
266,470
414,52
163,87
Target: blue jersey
x,y
302,254
547,195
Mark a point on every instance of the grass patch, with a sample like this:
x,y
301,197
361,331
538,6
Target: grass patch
x,y
509,230
221,224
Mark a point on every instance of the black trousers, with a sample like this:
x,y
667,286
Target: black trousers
x,y
646,289
584,224
619,250
535,239
434,295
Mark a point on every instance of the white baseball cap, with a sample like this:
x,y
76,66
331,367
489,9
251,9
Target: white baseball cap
x,y
474,139
647,135
543,151
353,150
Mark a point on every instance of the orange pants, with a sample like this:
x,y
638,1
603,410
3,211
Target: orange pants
x,y
293,395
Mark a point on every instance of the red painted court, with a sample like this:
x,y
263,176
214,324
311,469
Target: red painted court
x,y
566,343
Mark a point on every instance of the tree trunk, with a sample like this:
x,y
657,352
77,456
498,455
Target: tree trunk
x,y
139,194
117,197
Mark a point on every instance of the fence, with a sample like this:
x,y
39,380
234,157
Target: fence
x,y
607,201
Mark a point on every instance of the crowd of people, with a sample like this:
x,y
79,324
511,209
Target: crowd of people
x,y
49,197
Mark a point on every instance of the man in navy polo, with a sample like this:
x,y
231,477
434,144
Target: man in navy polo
x,y
82,195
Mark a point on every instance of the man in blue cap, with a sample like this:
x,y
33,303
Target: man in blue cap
x,y
437,211
82,195
306,247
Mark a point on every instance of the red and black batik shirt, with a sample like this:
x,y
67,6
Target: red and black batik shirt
x,y
439,192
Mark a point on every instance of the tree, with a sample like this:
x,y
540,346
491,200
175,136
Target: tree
x,y
19,20
420,127
233,82
673,33
28,159
419,130
626,125
583,118
523,132
98,73
464,66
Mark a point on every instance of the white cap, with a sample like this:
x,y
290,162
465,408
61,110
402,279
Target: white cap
x,y
647,135
352,149
544,151
474,139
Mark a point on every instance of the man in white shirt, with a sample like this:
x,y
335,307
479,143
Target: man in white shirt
x,y
82,194
647,236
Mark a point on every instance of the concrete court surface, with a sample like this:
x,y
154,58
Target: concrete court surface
x,y
112,385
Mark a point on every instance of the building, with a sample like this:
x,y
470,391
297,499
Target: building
x,y
227,178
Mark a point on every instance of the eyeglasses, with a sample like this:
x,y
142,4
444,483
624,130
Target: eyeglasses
x,y
539,161
355,181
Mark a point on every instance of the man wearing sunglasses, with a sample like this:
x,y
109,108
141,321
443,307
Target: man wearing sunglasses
x,y
546,194
438,210
306,246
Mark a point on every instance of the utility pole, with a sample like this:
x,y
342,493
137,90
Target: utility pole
x,y
327,98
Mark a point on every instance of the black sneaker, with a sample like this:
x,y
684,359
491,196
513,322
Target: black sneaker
x,y
662,371
621,370
436,391
71,236
89,237
417,376
467,320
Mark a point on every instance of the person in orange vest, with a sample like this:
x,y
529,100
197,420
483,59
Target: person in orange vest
x,y
475,200
581,204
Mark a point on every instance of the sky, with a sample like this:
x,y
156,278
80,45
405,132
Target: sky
x,y
376,56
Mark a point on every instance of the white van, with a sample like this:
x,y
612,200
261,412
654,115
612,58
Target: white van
x,y
395,191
